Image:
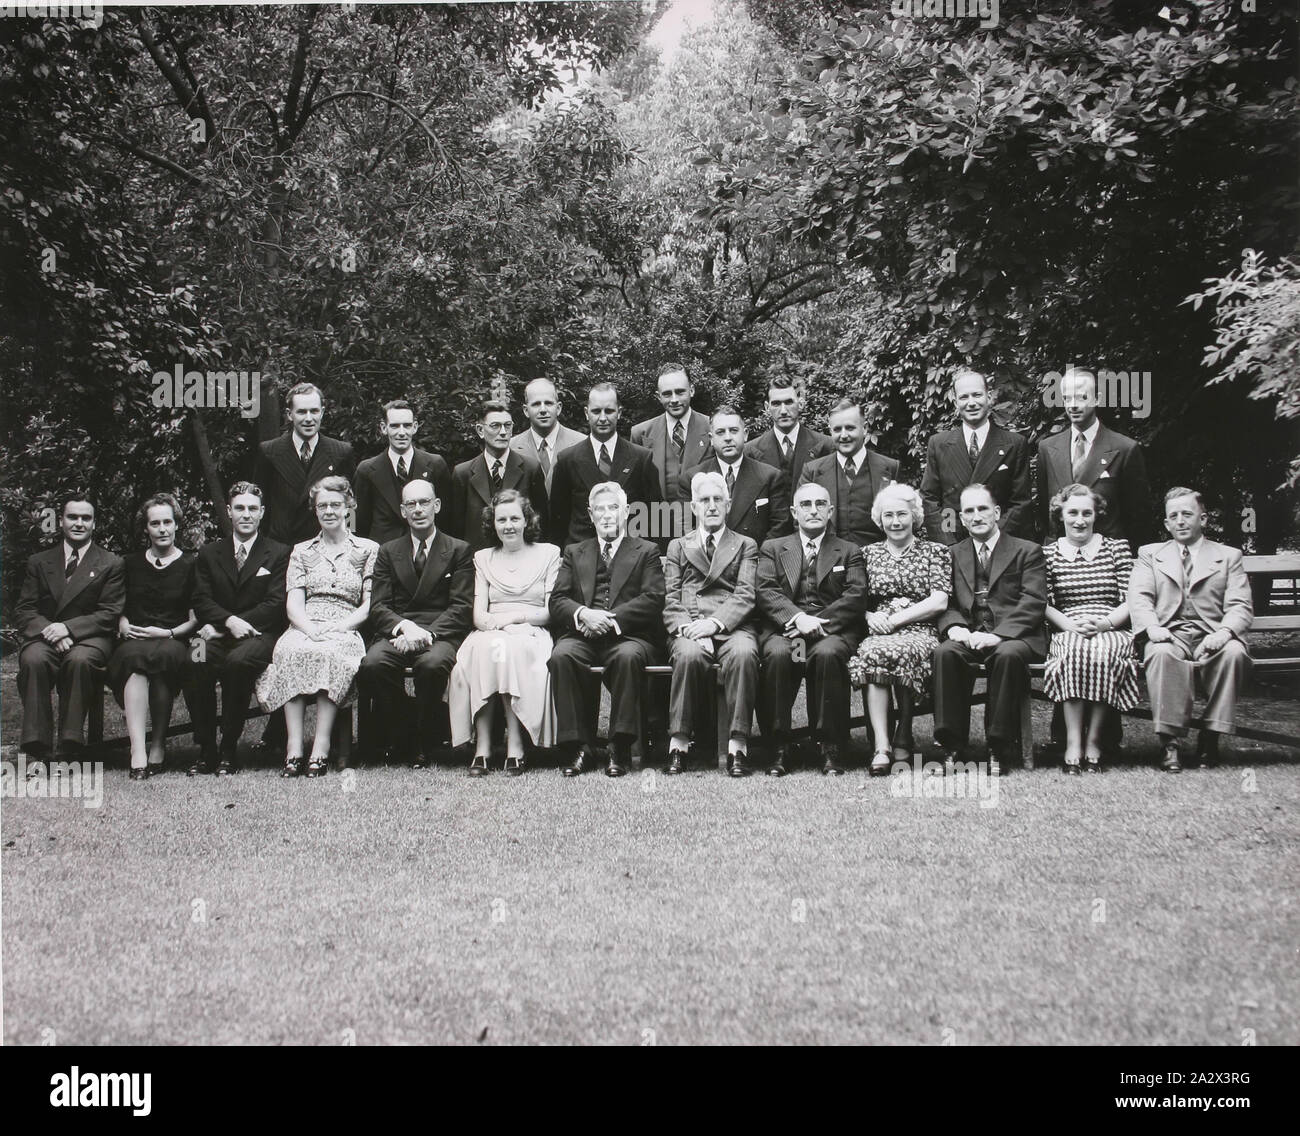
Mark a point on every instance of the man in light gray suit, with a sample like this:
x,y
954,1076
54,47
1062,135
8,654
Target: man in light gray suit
x,y
545,439
710,578
678,439
1190,598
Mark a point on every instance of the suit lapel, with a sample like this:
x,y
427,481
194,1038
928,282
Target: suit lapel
x,y
695,554
960,456
745,493
999,560
792,561
727,551
963,560
514,476
618,472
1169,560
404,566
1058,450
389,487
825,559
659,447
990,456
71,588
285,459
438,556
585,561
619,569
478,479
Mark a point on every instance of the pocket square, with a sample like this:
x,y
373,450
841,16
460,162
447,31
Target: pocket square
x,y
261,572
1104,473
837,568
761,501
1003,466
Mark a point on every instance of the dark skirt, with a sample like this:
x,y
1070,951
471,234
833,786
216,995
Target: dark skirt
x,y
165,658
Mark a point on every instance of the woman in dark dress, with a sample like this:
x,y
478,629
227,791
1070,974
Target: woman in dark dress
x,y
152,657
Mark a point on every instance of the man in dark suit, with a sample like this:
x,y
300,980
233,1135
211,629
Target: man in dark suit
x,y
788,444
977,450
853,475
1089,453
421,607
605,611
996,613
287,466
71,598
475,482
759,493
710,578
239,596
546,437
678,439
603,456
812,593
379,480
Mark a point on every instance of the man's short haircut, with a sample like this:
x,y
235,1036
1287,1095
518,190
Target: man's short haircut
x,y
398,404
414,481
1183,491
726,408
809,485
607,489
976,485
157,501
783,382
533,382
847,404
492,406
1079,373
968,373
899,491
706,478
603,388
76,495
304,389
1056,506
671,368
240,488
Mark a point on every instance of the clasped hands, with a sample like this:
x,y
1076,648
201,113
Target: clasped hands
x,y
57,636
410,638
128,630
805,626
975,640
1213,642
594,622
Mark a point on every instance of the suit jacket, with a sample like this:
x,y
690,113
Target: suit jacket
x,y
89,604
379,494
1115,468
441,600
760,501
841,582
825,471
653,435
471,493
284,483
561,439
636,588
1220,591
810,444
1003,466
1017,591
255,593
725,590
576,472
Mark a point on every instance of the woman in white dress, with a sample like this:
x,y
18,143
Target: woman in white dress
x,y
503,661
328,583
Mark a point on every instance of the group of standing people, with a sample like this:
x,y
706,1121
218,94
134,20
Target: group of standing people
x,y
500,583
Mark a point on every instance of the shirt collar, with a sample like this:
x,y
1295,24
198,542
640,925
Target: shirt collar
x,y
394,458
859,458
67,552
981,434
415,542
724,466
816,541
615,543
717,536
311,444
1194,549
595,445
671,423
1089,435
548,441
175,554
248,544
793,436
991,542
1088,551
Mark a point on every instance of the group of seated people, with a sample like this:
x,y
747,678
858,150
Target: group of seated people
x,y
517,627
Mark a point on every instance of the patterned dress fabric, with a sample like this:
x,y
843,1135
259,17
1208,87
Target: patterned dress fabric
x,y
904,658
510,661
334,584
1090,581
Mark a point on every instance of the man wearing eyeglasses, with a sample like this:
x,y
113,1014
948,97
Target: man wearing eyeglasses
x,y
475,482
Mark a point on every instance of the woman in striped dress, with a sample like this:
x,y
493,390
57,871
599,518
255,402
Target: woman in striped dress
x,y
1090,665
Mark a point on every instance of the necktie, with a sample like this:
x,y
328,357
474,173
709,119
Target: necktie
x,y
786,447
496,476
304,455
984,559
810,552
1079,452
606,551
731,478
1187,571
679,439
974,450
402,472
421,558
709,545
544,459
605,464
849,471
241,554
72,565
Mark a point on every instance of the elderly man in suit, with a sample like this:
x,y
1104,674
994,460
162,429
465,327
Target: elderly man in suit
x,y
812,595
287,466
71,598
239,597
1190,599
787,444
678,439
852,475
759,493
710,579
421,607
546,437
978,451
1091,454
379,480
475,482
996,616
605,611
600,458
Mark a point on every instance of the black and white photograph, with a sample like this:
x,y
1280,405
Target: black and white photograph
x,y
652,523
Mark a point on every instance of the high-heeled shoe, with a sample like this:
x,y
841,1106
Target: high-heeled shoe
x,y
881,763
317,765
514,766
292,766
139,773
1092,762
479,766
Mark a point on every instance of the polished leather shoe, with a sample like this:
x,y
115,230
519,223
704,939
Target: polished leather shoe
x,y
478,767
582,761
778,768
138,774
1170,763
882,763
205,763
514,766
1071,768
831,760
292,766
737,764
227,766
676,762
619,760
1207,752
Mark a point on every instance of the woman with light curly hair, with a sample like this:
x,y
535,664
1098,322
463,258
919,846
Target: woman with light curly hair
x,y
908,581
328,586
